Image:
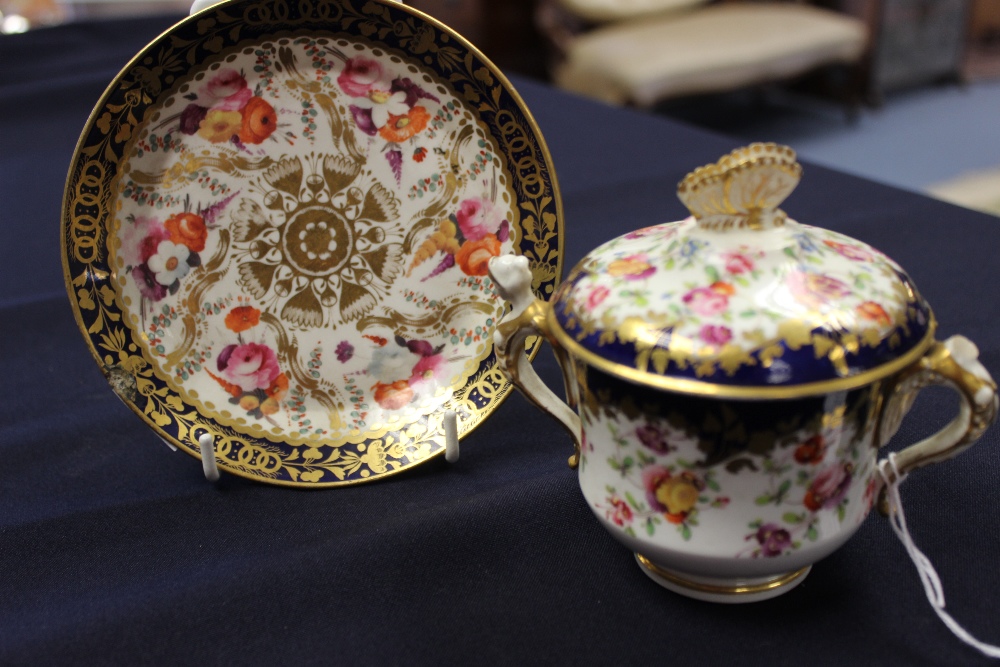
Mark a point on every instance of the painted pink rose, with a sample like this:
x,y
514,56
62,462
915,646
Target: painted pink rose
x,y
709,301
829,487
236,101
619,513
737,262
715,334
141,238
641,233
249,366
360,75
478,218
428,368
597,297
226,83
815,289
851,252
652,477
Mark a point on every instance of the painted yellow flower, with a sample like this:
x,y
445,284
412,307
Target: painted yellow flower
x,y
633,267
678,494
218,126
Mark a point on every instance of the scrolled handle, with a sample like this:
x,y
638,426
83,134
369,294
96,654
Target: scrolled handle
x,y
529,317
954,363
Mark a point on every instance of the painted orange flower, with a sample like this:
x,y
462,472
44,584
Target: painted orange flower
x,y
187,229
723,288
242,318
870,310
249,402
401,128
231,389
278,388
275,392
393,396
258,122
633,267
474,256
811,451
218,126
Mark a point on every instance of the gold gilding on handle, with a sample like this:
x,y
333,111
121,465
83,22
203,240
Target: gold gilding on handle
x,y
938,367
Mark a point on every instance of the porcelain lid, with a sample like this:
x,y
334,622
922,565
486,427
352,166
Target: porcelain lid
x,y
740,300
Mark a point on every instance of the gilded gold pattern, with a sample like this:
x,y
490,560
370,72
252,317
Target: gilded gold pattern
x,y
706,388
789,578
94,180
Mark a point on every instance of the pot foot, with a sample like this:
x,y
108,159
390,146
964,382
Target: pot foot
x,y
734,590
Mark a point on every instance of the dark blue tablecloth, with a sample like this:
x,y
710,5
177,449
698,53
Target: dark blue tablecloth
x,y
115,550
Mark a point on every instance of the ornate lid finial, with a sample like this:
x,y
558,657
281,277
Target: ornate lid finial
x,y
743,189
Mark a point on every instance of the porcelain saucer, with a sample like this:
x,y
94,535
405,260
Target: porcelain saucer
x,y
276,230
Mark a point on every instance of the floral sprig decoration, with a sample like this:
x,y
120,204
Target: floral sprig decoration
x,y
225,110
404,370
468,238
249,371
158,255
385,105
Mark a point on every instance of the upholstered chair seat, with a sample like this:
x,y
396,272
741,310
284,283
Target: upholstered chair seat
x,y
713,48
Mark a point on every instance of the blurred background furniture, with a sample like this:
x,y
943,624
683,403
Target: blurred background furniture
x,y
914,42
982,53
646,51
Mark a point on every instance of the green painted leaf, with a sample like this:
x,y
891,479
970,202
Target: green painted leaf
x,y
632,501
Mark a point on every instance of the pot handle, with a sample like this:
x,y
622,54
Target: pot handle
x,y
954,363
529,317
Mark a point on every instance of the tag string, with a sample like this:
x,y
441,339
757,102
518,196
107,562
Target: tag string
x,y
928,575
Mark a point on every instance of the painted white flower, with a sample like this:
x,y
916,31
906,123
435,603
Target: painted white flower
x,y
383,104
391,363
170,263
